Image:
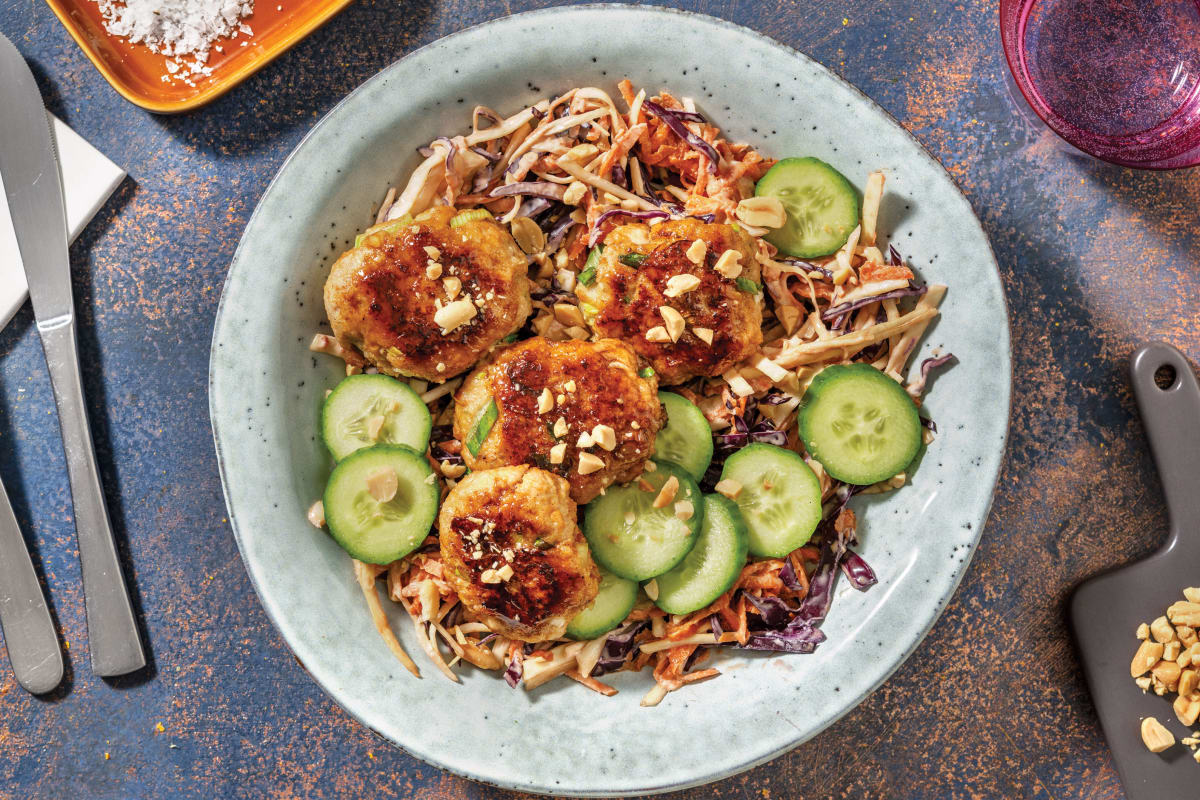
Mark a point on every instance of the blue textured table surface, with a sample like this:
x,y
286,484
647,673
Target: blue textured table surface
x,y
1095,259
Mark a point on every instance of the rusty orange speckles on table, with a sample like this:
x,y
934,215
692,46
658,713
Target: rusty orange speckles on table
x,y
138,74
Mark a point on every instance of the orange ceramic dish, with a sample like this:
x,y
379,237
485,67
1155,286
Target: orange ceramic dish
x,y
137,73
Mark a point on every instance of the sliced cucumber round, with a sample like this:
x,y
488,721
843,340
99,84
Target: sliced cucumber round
x,y
686,439
859,423
381,531
635,540
714,564
821,206
365,410
612,605
780,497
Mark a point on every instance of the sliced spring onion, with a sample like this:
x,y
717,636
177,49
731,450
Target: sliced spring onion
x,y
632,259
390,227
470,215
747,285
483,426
589,268
646,372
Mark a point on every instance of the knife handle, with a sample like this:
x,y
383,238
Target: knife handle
x,y
113,640
29,633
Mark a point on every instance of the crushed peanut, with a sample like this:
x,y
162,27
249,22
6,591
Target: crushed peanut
x,y
1170,652
452,285
545,401
316,514
505,572
490,576
433,252
570,385
560,428
729,264
568,314
728,487
696,251
1162,631
684,509
433,271
574,193
658,334
528,235
674,320
558,453
1184,613
681,284
452,315
584,441
651,588
1155,736
761,212
1186,710
589,463
704,334
605,436
382,484
1145,658
452,470
666,495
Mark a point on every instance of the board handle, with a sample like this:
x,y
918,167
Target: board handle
x,y
1168,398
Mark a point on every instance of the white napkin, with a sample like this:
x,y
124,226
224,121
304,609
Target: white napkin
x,y
88,180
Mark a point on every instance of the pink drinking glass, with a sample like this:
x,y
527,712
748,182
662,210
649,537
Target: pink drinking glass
x,y
1118,79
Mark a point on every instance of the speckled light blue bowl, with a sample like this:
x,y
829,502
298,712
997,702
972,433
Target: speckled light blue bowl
x,y
266,389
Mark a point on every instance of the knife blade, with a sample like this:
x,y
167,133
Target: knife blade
x,y
29,169
29,634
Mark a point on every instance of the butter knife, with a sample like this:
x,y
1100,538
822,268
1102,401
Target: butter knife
x,y
29,632
29,168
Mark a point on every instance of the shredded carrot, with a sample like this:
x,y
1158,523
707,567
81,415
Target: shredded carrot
x,y
591,683
700,675
871,272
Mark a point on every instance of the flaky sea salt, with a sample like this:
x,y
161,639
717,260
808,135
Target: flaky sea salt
x,y
178,29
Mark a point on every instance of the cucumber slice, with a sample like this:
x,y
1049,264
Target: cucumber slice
x,y
612,605
375,532
686,439
630,537
359,402
859,423
780,497
714,564
821,206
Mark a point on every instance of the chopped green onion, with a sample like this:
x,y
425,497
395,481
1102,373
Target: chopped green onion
x,y
632,259
589,267
589,310
390,227
471,215
646,372
747,285
512,337
483,426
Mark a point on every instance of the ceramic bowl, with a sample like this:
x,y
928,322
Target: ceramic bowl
x,y
266,389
